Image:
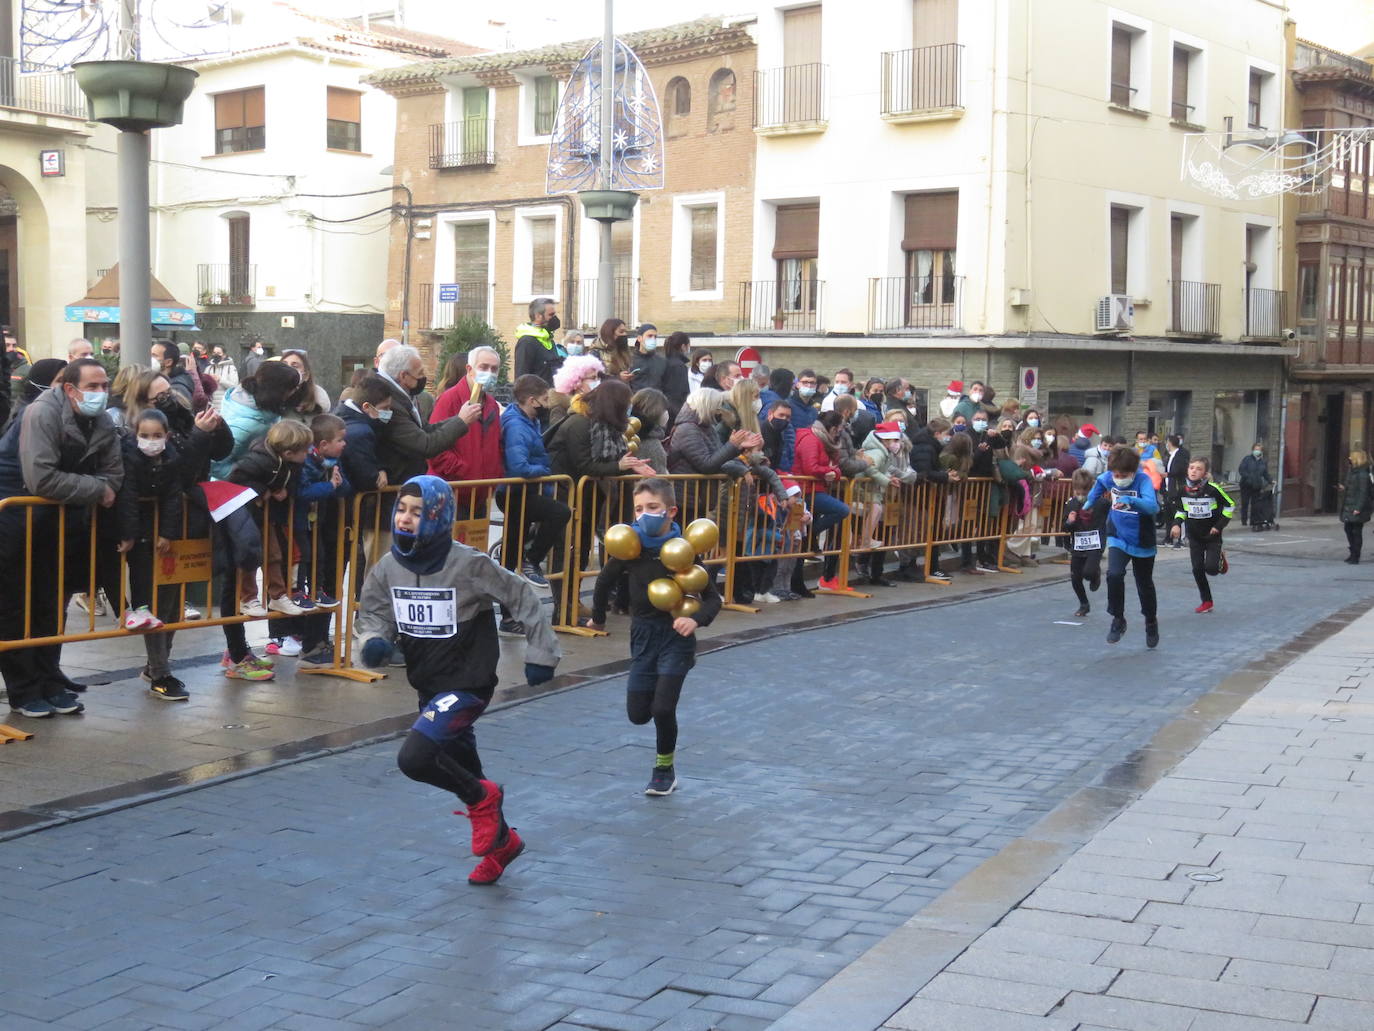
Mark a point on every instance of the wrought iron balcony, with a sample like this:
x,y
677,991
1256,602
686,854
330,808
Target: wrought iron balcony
x,y
463,144
1266,312
923,84
915,302
437,314
789,305
580,302
790,100
40,90
1195,308
226,286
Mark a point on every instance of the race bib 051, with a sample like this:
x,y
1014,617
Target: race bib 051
x,y
425,611
1087,540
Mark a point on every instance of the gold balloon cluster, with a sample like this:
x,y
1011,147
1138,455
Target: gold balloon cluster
x,y
678,594
632,435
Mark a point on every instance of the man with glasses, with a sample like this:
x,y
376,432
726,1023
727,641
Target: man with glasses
x,y
408,442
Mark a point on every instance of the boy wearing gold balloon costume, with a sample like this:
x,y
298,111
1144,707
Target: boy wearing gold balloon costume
x,y
670,596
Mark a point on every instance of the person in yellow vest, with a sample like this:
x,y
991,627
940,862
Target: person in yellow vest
x,y
536,351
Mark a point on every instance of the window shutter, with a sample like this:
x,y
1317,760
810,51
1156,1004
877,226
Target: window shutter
x,y
1121,66
470,252
797,231
801,35
238,241
541,255
255,107
703,270
545,104
1121,227
932,221
229,110
934,22
1181,111
344,105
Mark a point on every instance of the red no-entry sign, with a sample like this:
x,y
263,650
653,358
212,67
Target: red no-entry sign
x,y
749,359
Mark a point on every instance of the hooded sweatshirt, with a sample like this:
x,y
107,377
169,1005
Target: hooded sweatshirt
x,y
438,594
1131,529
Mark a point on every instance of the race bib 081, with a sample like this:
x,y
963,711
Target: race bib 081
x,y
425,611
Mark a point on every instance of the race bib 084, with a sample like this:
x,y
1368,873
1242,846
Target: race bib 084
x,y
1087,540
1198,508
425,611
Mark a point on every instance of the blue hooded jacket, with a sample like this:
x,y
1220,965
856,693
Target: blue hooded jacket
x,y
1131,530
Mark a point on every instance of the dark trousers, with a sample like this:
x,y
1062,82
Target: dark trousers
x,y
526,507
1144,572
1354,536
1247,497
1084,566
1206,555
29,672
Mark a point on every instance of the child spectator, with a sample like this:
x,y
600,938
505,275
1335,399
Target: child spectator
x,y
272,467
152,469
1085,526
1130,540
524,507
662,647
323,485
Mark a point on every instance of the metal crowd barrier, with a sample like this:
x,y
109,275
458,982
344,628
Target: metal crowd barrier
x,y
961,514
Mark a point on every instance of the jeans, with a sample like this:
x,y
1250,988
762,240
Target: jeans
x,y
1144,571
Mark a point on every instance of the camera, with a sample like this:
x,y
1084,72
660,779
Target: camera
x,y
1290,334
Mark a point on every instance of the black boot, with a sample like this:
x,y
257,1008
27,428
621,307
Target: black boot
x,y
1151,633
1117,629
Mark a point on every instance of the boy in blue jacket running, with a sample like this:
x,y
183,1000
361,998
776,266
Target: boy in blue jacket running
x,y
1130,540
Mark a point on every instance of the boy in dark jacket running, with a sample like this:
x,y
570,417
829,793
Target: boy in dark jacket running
x,y
1206,509
662,647
1085,526
437,595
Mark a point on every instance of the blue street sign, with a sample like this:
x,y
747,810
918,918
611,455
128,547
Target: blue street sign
x,y
448,293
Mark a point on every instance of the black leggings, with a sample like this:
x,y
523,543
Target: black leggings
x,y
1085,565
660,705
1206,555
455,767
1354,536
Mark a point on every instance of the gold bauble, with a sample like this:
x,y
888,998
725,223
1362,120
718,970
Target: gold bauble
x,y
688,607
633,427
631,446
633,440
702,534
677,555
623,543
664,595
694,580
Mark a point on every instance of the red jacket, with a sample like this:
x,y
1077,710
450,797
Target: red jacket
x,y
477,454
811,458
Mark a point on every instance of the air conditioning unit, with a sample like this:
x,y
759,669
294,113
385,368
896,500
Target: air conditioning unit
x,y
1115,313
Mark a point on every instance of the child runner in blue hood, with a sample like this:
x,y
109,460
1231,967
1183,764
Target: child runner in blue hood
x,y
436,595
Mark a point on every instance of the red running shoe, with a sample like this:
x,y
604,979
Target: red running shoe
x,y
487,820
1206,606
830,584
490,869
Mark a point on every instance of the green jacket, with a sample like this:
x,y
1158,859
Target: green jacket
x,y
1355,497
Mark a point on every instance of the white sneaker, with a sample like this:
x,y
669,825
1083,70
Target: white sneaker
x,y
141,618
81,602
102,602
191,614
252,607
287,646
285,606
768,598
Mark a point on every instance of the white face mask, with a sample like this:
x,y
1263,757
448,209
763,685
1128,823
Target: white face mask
x,y
704,367
977,395
384,415
1123,481
152,446
841,388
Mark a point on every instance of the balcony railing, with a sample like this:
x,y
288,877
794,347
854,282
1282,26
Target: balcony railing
x,y
463,144
1195,308
923,82
789,305
790,99
579,306
915,302
230,285
41,90
437,314
1266,313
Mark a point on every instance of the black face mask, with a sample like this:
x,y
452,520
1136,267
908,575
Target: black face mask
x,y
553,324
780,424
419,386
178,415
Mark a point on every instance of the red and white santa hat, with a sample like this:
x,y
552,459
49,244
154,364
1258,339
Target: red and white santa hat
x,y
956,387
888,431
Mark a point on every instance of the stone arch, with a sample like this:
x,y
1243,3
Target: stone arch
x,y
677,106
720,101
39,284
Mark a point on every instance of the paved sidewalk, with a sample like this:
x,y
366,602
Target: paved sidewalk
x,y
1233,895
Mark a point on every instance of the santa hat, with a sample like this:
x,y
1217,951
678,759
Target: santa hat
x,y
793,488
956,386
223,498
1087,430
887,431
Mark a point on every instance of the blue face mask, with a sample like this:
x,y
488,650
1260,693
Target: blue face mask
x,y
484,378
384,415
960,427
1033,423
652,523
92,402
329,463
979,426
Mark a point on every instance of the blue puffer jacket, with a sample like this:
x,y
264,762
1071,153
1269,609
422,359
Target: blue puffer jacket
x,y
247,422
522,445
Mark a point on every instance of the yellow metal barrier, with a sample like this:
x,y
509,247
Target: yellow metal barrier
x,y
962,514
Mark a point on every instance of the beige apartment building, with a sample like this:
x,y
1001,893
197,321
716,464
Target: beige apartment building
x,y
472,144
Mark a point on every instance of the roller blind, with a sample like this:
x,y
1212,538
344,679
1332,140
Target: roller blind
x,y
1121,65
345,105
542,245
801,35
1180,84
932,221
797,231
1121,229
703,268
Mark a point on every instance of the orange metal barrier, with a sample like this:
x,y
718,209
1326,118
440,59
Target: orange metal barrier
x,y
962,514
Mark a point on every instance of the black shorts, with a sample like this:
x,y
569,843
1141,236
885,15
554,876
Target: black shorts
x,y
656,650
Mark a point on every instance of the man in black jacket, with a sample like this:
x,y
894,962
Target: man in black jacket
x,y
167,357
536,351
406,443
1175,472
647,363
